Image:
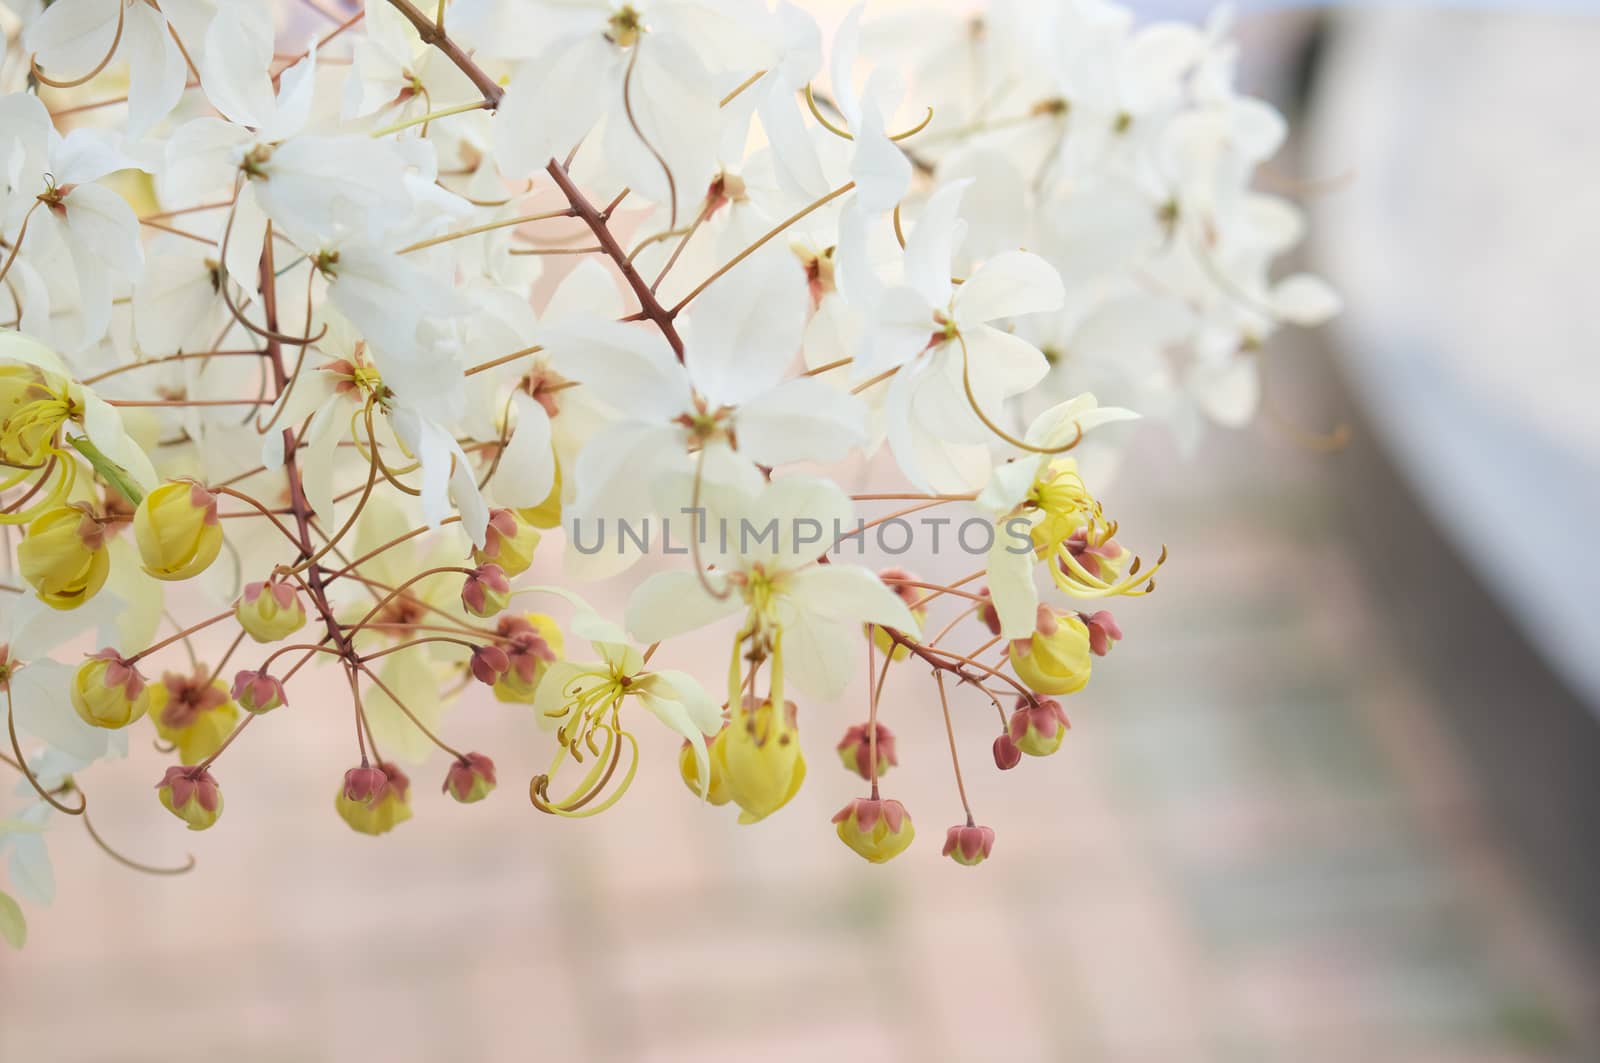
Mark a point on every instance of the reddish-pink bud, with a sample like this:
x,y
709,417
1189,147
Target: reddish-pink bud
x,y
489,663
969,845
256,691
470,778
1006,753
987,612
365,784
1103,631
855,750
1039,727
486,591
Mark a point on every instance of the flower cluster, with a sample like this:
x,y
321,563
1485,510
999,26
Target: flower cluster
x,y
364,327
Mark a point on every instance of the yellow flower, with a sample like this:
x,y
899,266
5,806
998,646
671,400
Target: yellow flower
x,y
758,755
177,530
64,557
535,645
878,830
271,611
192,795
509,541
689,767
195,715
1055,659
385,810
108,691
33,404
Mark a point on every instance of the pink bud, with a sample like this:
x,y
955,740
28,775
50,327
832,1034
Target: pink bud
x,y
256,691
1006,753
969,844
987,612
489,663
1103,631
485,591
365,784
470,778
855,750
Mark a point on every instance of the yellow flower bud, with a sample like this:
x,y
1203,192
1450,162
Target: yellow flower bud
x,y
177,530
270,612
381,812
108,691
878,830
535,644
1038,728
193,714
191,795
689,768
1055,659
509,542
759,758
64,557
546,514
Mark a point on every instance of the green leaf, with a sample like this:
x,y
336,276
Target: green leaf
x,y
110,471
13,927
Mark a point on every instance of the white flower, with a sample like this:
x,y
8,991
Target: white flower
x,y
807,615
952,369
715,417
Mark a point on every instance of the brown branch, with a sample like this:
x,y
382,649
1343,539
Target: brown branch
x,y
593,217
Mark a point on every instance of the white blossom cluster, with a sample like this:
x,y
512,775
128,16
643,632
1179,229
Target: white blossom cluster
x,y
376,275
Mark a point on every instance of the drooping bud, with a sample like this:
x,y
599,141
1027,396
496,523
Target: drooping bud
x,y
689,767
1039,728
1006,753
894,578
488,664
64,557
855,750
535,643
177,530
969,845
509,542
193,712
486,591
877,829
384,810
1103,632
192,795
1055,658
257,692
758,754
987,613
470,778
365,784
108,691
270,611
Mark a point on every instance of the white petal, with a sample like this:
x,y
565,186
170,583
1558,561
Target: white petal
x,y
671,603
746,328
849,593
233,68
629,368
1009,284
528,467
932,244
1306,300
1011,586
804,419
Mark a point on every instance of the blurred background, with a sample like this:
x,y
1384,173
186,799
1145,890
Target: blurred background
x,y
1332,799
